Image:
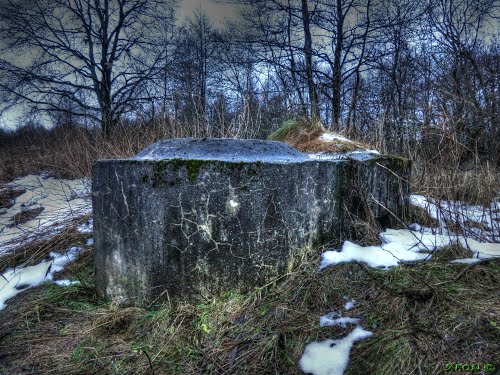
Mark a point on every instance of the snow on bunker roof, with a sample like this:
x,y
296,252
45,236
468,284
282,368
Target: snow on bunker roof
x,y
222,149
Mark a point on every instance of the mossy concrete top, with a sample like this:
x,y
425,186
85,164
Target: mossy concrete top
x,y
222,149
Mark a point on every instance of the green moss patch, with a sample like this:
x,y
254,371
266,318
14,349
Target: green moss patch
x,y
193,167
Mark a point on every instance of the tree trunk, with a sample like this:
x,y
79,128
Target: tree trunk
x,y
293,64
107,121
351,117
308,57
336,81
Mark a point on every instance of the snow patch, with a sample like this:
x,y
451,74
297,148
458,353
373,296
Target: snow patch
x,y
87,227
480,251
483,249
480,223
375,256
66,282
360,155
334,319
329,137
323,156
414,240
19,279
330,357
403,245
349,304
60,201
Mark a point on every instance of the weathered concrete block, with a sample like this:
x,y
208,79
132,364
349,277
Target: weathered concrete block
x,y
190,218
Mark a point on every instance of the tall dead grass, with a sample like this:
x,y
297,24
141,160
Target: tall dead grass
x,y
69,150
444,166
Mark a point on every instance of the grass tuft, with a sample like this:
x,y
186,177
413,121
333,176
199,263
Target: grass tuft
x,y
304,134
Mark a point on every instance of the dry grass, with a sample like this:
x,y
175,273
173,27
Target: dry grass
x,y
33,252
424,315
478,183
450,183
446,169
304,136
297,131
70,150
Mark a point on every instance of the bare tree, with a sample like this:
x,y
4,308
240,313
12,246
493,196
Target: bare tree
x,y
95,54
398,64
195,62
281,36
344,27
458,28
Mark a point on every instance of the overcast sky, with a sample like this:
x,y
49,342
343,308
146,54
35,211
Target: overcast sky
x,y
216,11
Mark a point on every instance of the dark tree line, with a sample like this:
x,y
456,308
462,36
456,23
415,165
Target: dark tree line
x,y
394,72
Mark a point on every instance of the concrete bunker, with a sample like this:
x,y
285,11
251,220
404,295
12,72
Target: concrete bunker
x,y
191,218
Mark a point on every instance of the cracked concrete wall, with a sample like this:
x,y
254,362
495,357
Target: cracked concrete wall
x,y
192,228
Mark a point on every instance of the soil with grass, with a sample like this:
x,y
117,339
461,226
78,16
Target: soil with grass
x,y
424,316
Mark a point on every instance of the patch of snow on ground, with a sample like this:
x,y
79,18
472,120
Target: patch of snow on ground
x,y
480,250
485,249
66,282
89,242
480,223
400,245
60,201
374,256
330,357
328,137
349,304
414,240
334,319
19,279
87,227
